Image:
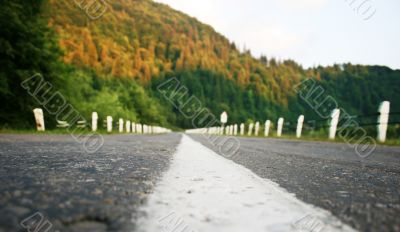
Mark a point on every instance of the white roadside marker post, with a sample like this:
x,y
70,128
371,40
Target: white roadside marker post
x,y
299,128
121,125
235,130
242,129
128,126
39,119
257,128
133,127
109,124
224,120
266,129
139,128
95,118
231,130
250,129
334,122
383,120
280,127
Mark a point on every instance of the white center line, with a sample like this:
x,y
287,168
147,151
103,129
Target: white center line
x,y
205,192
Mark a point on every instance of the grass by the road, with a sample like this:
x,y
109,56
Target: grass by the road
x,y
56,132
324,138
307,137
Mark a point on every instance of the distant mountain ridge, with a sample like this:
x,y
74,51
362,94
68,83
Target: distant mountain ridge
x,y
137,44
144,40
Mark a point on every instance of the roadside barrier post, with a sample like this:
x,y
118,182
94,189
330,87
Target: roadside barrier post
x,y
95,118
133,127
128,126
39,119
139,128
383,120
242,129
121,125
280,127
109,124
334,122
250,129
299,128
257,128
266,129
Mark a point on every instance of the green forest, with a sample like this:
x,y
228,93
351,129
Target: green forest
x,y
114,64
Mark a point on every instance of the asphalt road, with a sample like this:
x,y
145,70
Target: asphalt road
x,y
364,193
76,191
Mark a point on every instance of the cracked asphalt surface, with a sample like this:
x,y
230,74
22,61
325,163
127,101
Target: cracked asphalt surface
x,y
77,191
364,193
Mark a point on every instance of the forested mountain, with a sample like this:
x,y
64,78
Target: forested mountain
x,y
113,65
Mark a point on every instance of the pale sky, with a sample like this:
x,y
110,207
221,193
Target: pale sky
x,y
310,32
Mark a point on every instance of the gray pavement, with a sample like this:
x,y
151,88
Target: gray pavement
x,y
364,193
75,191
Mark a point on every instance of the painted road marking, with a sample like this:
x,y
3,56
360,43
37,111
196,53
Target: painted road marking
x,y
204,192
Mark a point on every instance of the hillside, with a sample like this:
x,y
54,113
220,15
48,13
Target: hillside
x,y
140,43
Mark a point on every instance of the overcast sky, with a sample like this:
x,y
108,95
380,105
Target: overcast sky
x,y
311,32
